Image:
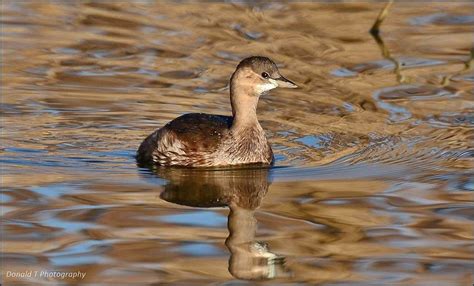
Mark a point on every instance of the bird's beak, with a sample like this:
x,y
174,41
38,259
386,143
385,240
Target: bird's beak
x,y
283,82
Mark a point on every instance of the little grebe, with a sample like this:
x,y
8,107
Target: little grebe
x,y
207,140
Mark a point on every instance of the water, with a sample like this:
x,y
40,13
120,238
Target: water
x,y
373,182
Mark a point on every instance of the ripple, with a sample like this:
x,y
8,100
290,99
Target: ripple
x,y
443,19
179,74
405,63
315,141
452,119
398,113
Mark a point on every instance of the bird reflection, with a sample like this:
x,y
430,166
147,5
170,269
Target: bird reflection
x,y
242,190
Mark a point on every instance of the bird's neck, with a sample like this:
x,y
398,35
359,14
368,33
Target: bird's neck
x,y
244,107
244,115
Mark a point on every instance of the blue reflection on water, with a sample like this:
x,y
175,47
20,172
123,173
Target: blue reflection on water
x,y
197,218
199,249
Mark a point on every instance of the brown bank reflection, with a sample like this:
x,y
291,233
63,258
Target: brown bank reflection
x,y
242,190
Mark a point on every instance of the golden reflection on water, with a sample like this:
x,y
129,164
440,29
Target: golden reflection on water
x,y
373,183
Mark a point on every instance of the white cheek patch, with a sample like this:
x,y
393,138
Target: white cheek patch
x,y
261,88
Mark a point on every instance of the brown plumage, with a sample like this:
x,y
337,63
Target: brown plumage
x,y
205,140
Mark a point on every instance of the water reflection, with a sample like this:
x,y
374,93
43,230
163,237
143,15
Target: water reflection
x,y
242,190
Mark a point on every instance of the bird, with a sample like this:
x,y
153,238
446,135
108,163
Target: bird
x,y
208,140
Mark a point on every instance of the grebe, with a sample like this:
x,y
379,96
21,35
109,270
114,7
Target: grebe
x,y
207,140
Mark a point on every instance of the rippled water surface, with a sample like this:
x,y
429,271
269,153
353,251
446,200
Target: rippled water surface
x,y
373,183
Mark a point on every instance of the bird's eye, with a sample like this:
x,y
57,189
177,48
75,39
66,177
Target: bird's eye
x,y
265,75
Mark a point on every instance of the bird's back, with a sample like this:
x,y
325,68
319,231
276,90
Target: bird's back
x,y
185,141
202,131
